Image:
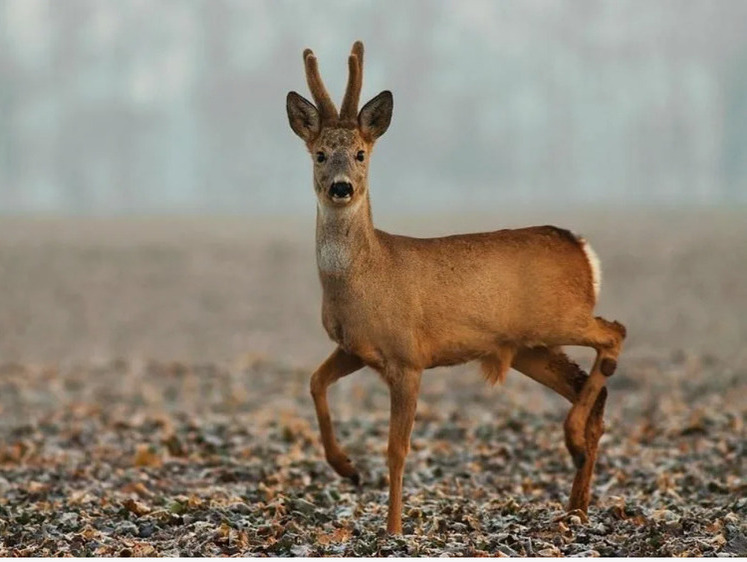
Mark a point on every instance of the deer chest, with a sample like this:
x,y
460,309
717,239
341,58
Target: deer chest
x,y
357,331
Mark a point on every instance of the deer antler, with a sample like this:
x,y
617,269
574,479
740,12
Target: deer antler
x,y
327,109
349,108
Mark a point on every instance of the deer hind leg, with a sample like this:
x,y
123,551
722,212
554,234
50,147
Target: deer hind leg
x,y
404,387
336,366
581,490
552,368
606,337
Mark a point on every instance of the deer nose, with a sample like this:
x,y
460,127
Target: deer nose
x,y
341,190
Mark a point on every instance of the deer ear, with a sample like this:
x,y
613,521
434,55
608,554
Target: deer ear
x,y
303,117
376,115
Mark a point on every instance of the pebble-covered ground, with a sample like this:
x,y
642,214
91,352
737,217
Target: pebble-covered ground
x,y
218,453
115,465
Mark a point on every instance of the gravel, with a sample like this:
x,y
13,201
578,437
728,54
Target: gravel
x,y
113,468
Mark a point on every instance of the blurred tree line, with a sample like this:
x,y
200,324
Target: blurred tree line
x,y
178,106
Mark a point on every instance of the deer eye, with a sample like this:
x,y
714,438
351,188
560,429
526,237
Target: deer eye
x,y
360,156
321,157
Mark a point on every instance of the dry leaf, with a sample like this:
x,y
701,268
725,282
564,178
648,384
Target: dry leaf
x,y
136,507
37,487
137,488
337,536
145,455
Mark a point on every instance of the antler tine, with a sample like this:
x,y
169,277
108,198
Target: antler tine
x,y
349,108
357,50
326,106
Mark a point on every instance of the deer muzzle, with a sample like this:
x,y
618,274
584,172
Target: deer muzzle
x,y
341,191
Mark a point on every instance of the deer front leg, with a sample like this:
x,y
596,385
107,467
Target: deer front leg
x,y
404,387
336,366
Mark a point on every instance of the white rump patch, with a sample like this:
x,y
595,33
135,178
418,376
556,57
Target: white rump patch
x,y
595,265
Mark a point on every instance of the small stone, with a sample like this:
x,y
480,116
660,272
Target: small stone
x,y
146,530
300,550
507,550
731,518
240,507
586,554
664,515
69,519
306,507
126,528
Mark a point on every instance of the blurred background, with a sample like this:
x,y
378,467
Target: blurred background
x,y
159,300
178,106
155,202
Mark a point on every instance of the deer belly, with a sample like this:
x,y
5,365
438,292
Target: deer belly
x,y
460,349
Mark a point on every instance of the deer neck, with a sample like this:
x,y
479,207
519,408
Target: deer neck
x,y
345,239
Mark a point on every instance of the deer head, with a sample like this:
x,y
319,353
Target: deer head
x,y
340,143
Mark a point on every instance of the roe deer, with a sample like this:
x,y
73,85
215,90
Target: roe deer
x,y
508,298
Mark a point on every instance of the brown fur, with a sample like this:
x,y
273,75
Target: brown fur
x,y
507,298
